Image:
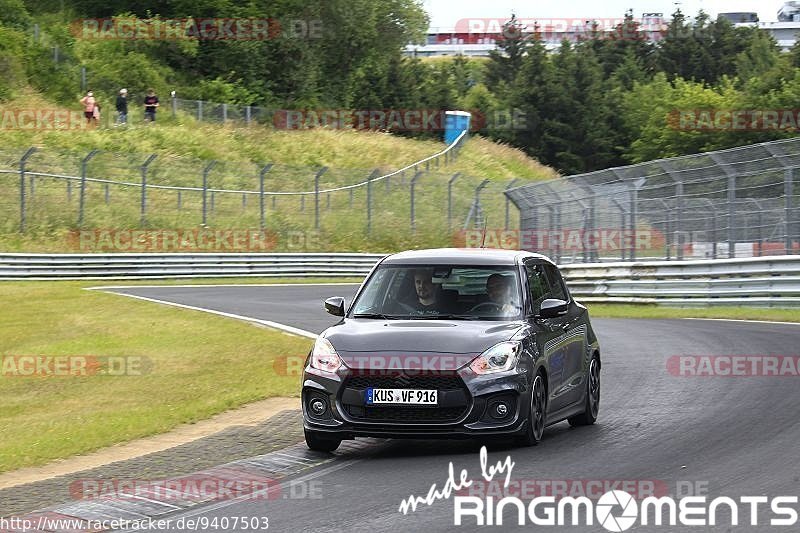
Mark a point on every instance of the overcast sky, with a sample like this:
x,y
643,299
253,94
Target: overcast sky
x,y
445,13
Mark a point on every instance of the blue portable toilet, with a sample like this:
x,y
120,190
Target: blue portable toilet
x,y
455,122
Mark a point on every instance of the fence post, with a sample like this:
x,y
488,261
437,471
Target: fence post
x,y
371,177
180,200
508,201
247,115
224,113
143,216
731,215
82,196
453,178
107,193
261,174
22,163
317,176
83,79
411,185
621,224
206,172
199,110
638,184
788,192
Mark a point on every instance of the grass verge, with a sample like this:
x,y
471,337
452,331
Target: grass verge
x,y
201,365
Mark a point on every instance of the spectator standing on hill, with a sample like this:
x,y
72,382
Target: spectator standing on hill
x,y
96,114
122,106
88,102
150,106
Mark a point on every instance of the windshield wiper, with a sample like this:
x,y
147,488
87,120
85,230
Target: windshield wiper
x,y
375,315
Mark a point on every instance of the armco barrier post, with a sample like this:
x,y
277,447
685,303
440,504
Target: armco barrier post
x,y
453,178
22,163
261,174
82,195
206,172
143,214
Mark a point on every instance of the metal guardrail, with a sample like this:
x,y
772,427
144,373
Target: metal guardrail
x,y
766,281
158,266
763,282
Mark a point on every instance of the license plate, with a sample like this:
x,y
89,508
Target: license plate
x,y
402,396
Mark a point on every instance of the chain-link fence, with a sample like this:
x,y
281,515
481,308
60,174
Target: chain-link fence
x,y
739,202
103,201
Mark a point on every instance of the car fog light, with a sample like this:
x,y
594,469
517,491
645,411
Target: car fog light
x,y
318,406
501,410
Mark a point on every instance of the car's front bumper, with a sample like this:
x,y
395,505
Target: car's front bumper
x,y
467,406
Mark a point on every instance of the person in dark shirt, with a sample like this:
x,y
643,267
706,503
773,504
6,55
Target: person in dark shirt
x,y
122,106
427,301
150,106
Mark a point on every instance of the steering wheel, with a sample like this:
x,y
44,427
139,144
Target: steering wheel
x,y
492,306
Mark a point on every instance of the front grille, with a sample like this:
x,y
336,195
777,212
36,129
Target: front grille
x,y
438,381
441,381
406,414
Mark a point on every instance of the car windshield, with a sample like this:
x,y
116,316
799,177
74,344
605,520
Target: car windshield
x,y
437,292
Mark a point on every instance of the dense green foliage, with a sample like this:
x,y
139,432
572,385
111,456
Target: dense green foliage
x,y
610,99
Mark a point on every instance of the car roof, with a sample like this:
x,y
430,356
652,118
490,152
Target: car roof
x,y
462,256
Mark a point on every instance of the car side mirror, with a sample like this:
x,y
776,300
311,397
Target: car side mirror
x,y
552,307
335,306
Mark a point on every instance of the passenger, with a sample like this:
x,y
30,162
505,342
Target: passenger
x,y
498,289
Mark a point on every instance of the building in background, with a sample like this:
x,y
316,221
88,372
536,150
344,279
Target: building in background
x,y
477,37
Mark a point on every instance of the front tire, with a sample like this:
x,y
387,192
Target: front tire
x,y
537,414
589,416
320,442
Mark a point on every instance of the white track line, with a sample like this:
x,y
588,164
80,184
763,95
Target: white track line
x,y
283,327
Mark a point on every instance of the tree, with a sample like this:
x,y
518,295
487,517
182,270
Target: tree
x,y
505,62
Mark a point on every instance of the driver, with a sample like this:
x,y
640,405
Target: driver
x,y
498,288
427,298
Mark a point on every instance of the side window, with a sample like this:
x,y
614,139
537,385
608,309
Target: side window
x,y
537,284
556,286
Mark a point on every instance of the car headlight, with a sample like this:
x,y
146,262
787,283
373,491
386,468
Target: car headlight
x,y
324,357
499,358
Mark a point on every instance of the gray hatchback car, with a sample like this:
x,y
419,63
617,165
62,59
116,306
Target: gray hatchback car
x,y
453,343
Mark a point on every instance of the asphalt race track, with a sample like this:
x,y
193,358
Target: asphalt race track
x,y
726,436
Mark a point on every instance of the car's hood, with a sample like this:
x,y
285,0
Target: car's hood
x,y
400,343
